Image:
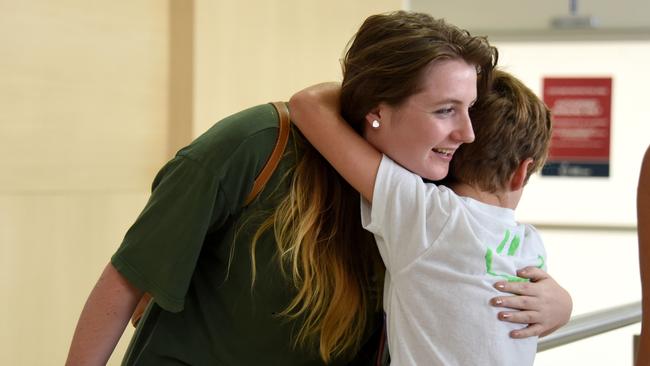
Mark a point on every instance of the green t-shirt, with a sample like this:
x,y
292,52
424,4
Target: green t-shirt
x,y
180,249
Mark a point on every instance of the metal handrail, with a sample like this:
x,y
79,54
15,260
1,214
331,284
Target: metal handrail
x,y
591,324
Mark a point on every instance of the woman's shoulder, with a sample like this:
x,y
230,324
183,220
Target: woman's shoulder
x,y
242,138
251,126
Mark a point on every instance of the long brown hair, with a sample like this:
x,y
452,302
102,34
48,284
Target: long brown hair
x,y
333,263
390,52
331,260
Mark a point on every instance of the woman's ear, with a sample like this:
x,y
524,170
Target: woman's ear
x,y
518,179
373,115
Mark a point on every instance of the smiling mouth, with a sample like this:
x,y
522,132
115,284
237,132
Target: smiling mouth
x,y
445,152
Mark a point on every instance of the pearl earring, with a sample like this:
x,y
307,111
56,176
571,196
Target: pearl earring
x,y
375,124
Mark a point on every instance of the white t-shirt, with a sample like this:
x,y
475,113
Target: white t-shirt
x,y
443,253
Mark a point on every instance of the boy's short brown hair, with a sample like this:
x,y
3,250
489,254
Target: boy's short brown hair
x,y
511,124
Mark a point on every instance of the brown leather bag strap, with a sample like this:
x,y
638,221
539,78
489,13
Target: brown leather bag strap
x,y
258,185
276,155
140,308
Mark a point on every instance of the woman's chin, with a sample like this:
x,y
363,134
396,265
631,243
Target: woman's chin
x,y
436,174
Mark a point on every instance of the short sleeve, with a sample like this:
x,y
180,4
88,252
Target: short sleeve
x,y
406,215
160,250
194,194
537,250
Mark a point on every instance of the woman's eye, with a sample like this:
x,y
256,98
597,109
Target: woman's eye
x,y
445,111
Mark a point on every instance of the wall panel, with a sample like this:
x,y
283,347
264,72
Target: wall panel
x,y
250,52
83,128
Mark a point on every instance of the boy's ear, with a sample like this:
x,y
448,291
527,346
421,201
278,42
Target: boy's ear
x,y
518,179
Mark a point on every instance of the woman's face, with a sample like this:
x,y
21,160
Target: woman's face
x,y
423,133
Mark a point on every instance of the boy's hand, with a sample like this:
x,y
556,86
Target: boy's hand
x,y
541,303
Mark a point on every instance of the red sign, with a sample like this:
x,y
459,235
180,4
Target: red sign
x,y
581,109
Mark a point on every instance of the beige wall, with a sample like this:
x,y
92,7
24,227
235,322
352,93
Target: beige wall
x,y
94,97
251,51
83,128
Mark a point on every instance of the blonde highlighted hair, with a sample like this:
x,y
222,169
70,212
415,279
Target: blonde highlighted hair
x,y
330,259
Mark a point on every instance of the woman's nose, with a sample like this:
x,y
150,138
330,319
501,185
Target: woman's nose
x,y
465,132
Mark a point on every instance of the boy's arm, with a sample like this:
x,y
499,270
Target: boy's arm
x,y
315,111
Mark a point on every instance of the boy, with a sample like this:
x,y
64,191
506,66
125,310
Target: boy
x,y
444,248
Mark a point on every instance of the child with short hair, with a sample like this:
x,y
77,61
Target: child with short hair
x,y
444,247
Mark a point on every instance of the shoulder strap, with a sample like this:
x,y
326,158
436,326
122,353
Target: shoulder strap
x,y
276,155
258,185
140,308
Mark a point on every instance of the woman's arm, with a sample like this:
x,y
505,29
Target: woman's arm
x,y
315,111
103,319
541,303
643,229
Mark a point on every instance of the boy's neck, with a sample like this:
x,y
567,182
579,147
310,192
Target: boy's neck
x,y
502,198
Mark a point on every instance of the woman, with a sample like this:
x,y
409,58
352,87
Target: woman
x,y
292,278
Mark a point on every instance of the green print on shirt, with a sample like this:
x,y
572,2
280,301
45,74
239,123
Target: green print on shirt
x,y
512,249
